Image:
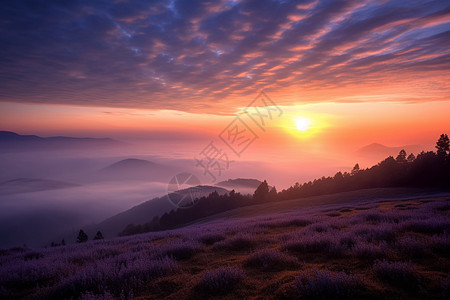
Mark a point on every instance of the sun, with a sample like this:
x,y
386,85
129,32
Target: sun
x,y
302,124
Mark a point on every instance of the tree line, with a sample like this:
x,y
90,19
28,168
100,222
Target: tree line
x,y
428,170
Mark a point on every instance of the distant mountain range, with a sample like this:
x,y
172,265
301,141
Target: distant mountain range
x,y
11,141
28,185
145,212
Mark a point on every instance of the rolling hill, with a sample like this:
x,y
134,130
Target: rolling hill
x,y
145,212
136,169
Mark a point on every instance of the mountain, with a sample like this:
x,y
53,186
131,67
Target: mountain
x,y
13,142
380,151
28,185
241,185
145,212
136,169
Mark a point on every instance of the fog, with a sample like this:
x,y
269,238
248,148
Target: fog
x,y
46,194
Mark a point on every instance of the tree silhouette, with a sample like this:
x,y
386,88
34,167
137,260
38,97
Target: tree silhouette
x,y
355,169
82,237
273,194
262,192
98,236
411,158
442,146
401,157
424,171
63,242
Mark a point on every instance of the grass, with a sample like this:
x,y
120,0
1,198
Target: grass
x,y
239,242
271,260
402,274
323,284
220,281
382,251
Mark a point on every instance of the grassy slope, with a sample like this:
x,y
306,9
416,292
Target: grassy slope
x,y
372,247
359,196
431,268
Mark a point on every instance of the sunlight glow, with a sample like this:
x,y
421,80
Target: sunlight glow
x,y
302,124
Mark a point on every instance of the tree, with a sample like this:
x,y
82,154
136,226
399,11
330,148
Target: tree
x,y
443,145
63,242
273,194
82,237
355,169
98,236
261,192
401,157
411,158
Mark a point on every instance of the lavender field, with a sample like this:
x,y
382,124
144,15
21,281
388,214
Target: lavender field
x,y
373,250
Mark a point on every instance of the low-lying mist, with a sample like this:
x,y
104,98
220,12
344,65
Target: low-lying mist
x,y
45,194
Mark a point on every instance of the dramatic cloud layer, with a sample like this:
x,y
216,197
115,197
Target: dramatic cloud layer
x,y
198,55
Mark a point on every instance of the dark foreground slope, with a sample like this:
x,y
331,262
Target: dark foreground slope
x,y
147,210
374,248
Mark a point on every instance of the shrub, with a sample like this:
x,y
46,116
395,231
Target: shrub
x,y
374,217
401,274
347,241
319,227
366,251
111,275
315,243
236,243
428,226
271,260
323,284
211,238
411,247
308,245
441,244
287,223
32,255
220,281
179,249
371,233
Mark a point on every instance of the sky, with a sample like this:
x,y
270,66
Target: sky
x,y
358,72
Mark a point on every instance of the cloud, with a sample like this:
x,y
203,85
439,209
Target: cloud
x,y
206,55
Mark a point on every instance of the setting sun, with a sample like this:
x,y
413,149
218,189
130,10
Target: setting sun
x,y
302,124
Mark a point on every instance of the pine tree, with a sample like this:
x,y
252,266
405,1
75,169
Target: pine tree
x,y
82,237
262,192
401,157
411,158
355,169
443,145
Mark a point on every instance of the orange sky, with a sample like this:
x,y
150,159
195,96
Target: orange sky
x,y
360,71
338,124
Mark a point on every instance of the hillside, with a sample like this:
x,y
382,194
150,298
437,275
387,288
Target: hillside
x,y
146,211
369,249
428,170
